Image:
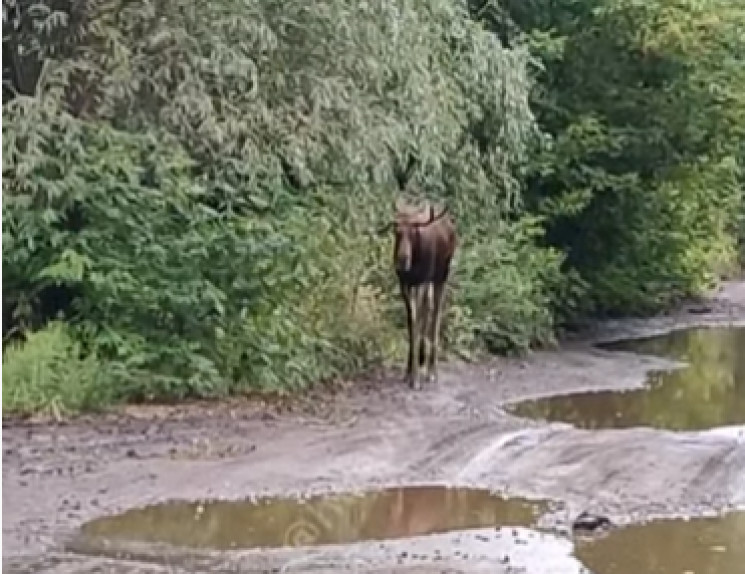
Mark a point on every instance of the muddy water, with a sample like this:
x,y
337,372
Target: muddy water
x,y
710,392
698,546
386,514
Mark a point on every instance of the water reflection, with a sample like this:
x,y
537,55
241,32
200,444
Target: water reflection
x,y
698,546
273,522
708,393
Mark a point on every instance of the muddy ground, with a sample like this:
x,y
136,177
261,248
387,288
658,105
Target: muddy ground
x,y
378,433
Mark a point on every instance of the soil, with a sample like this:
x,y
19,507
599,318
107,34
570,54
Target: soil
x,y
377,433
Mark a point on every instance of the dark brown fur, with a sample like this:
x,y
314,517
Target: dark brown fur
x,y
424,247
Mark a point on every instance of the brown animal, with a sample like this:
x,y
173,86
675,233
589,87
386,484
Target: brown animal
x,y
424,247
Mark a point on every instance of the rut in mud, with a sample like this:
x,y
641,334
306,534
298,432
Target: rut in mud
x,y
379,435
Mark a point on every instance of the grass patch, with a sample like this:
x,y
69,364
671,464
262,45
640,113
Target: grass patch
x,y
48,374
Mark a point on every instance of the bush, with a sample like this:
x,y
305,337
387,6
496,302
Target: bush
x,y
506,289
672,243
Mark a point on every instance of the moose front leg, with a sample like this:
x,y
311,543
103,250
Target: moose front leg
x,y
421,306
424,317
418,320
409,296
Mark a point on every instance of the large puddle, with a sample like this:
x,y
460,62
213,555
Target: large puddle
x,y
710,392
698,546
275,522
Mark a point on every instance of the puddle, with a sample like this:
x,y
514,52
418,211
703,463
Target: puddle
x,y
698,546
276,522
708,393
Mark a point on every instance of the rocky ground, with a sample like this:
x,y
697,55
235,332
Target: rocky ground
x,y
371,434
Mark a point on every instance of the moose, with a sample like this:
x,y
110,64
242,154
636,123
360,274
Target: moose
x,y
423,249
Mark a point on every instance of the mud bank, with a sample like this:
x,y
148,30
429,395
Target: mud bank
x,y
379,434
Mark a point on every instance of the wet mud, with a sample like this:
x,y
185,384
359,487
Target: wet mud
x,y
708,392
377,434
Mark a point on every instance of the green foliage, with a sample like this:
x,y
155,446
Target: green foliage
x,y
506,288
205,185
196,190
685,250
640,178
49,373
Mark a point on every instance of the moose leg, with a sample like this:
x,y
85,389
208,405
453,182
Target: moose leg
x,y
425,320
415,297
406,292
437,296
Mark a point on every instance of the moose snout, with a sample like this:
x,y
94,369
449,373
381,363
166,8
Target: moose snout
x,y
403,263
402,254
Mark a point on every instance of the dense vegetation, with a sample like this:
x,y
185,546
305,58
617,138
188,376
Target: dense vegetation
x,y
193,193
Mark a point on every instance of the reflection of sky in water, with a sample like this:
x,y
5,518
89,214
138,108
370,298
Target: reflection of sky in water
x,y
709,392
387,514
700,546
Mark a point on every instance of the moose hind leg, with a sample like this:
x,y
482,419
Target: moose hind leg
x,y
422,351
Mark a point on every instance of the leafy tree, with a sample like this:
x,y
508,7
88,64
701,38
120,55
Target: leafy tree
x,y
643,103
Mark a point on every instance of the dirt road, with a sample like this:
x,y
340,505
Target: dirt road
x,y
379,433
